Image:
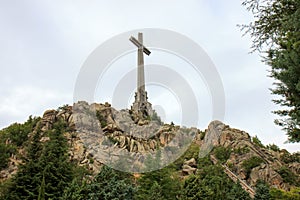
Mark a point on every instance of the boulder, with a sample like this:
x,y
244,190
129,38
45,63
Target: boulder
x,y
191,162
186,169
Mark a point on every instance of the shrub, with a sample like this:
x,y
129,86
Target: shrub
x,y
222,153
251,163
242,150
202,135
191,152
289,158
230,165
273,147
101,119
293,194
262,191
257,142
288,176
4,156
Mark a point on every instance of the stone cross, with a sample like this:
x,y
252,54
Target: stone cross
x,y
141,104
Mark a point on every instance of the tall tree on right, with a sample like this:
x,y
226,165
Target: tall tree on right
x,y
276,34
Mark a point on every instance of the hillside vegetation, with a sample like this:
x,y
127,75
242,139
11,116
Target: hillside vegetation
x,y
44,158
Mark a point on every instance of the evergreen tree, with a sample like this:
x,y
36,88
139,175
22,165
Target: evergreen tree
x,y
276,31
42,190
13,137
77,190
155,192
58,171
4,155
163,181
211,183
262,191
26,182
237,193
110,184
47,170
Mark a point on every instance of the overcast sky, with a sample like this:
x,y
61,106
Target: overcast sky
x,y
45,43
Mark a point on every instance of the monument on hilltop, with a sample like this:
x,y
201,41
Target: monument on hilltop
x,y
141,106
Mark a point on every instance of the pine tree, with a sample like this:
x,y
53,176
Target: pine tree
x,y
111,184
211,183
47,170
164,180
276,31
237,193
42,190
262,191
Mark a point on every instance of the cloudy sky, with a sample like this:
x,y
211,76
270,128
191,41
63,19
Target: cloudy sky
x,y
45,43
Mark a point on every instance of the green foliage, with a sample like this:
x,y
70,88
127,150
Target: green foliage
x,y
222,153
4,155
47,170
289,158
63,108
262,191
242,150
273,147
230,165
237,193
18,133
41,195
251,163
191,152
257,142
202,135
4,188
204,162
288,176
211,183
155,192
48,174
13,137
293,194
161,184
77,190
110,184
275,30
101,119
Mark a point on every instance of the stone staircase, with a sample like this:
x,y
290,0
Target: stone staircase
x,y
235,178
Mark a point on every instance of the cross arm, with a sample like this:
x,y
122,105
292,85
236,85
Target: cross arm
x,y
138,44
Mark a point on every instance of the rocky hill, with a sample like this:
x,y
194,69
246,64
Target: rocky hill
x,y
98,134
249,160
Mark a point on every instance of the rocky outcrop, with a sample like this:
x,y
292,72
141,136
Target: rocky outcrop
x,y
189,167
13,163
98,133
242,149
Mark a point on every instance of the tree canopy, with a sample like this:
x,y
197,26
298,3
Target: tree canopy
x,y
276,34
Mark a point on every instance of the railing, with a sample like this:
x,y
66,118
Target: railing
x,y
235,178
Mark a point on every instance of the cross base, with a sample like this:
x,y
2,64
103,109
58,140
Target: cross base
x,y
141,107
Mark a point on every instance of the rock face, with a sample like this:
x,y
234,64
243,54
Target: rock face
x,y
12,168
118,136
242,149
189,167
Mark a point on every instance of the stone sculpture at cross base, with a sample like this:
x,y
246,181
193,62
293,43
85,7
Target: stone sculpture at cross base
x,y
141,108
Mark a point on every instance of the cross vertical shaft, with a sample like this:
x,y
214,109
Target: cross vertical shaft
x,y
140,72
